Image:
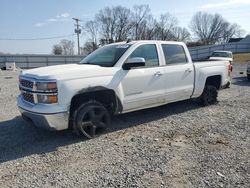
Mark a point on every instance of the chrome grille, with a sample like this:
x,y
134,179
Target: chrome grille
x,y
26,83
28,97
30,91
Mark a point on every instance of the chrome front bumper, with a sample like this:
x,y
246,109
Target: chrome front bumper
x,y
57,121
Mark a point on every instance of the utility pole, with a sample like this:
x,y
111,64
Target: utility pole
x,y
77,31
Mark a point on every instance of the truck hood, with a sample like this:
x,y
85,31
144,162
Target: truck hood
x,y
69,71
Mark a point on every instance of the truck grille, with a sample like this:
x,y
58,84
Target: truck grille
x,y
26,83
30,91
28,97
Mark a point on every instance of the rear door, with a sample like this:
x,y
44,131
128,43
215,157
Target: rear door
x,y
179,73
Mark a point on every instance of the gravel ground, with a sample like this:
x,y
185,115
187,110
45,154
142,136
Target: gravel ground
x,y
176,145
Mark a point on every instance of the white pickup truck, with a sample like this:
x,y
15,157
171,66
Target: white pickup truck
x,y
117,78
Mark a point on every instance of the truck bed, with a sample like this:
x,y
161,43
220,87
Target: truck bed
x,y
207,68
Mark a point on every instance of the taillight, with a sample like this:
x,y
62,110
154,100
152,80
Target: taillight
x,y
230,69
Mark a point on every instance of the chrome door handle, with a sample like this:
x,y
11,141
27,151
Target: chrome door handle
x,y
188,70
158,73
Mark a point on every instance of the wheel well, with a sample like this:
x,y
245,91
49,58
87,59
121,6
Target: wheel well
x,y
105,96
214,81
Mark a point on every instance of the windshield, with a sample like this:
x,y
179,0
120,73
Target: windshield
x,y
106,56
221,54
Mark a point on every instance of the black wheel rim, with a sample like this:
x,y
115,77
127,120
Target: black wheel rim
x,y
94,118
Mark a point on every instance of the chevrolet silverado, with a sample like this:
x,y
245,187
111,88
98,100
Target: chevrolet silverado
x,y
117,78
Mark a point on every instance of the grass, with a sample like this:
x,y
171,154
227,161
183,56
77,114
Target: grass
x,y
242,58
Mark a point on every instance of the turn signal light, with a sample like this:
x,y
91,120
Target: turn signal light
x,y
52,85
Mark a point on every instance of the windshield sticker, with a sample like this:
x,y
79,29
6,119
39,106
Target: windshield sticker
x,y
122,46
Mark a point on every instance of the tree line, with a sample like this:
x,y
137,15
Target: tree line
x,y
115,24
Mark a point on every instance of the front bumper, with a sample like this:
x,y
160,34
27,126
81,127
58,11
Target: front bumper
x,y
57,121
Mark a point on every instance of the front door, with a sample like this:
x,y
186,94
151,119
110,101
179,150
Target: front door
x,y
144,86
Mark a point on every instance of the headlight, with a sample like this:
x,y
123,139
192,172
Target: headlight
x,y
44,86
46,92
47,99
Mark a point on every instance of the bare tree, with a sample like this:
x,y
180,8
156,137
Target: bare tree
x,y
92,28
232,30
67,47
208,28
57,50
165,26
140,13
88,48
151,25
238,31
115,23
213,28
123,23
181,34
107,20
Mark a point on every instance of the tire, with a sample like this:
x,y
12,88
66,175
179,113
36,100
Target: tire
x,y
227,85
248,77
90,118
209,95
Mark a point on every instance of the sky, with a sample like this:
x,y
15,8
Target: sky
x,y
29,19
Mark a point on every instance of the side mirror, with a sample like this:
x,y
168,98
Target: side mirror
x,y
134,62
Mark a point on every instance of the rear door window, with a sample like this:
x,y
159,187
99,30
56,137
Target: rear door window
x,y
174,54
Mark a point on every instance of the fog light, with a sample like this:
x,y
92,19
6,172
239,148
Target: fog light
x,y
47,99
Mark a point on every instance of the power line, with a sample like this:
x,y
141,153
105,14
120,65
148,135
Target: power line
x,y
43,38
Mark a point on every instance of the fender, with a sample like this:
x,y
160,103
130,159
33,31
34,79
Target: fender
x,y
102,94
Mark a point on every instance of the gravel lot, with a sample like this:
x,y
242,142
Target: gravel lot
x,y
176,145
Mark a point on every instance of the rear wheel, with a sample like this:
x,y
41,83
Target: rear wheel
x,y
209,95
90,118
227,85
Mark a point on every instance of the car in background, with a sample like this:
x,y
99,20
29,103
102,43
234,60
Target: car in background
x,y
248,70
222,55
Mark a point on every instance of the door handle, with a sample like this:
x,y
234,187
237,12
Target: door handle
x,y
158,73
188,70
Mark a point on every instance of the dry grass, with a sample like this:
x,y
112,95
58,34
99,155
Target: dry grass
x,y
242,58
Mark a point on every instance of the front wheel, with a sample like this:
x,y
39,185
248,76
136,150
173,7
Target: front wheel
x,y
90,117
209,95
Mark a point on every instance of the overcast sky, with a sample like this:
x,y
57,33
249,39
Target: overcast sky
x,y
49,18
